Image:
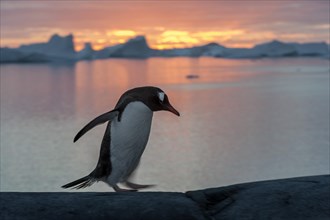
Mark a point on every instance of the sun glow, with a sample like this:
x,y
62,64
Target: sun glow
x,y
175,39
181,39
121,33
160,39
165,24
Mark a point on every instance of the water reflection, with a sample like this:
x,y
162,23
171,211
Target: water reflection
x,y
241,120
38,89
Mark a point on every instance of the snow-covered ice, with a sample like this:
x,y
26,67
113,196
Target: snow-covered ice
x,y
62,49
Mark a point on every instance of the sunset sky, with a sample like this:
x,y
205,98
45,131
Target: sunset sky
x,y
166,24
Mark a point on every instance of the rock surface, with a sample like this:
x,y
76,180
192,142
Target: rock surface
x,y
294,198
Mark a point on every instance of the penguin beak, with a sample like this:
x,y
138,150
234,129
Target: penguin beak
x,y
170,108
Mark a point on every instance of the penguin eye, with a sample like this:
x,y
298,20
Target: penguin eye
x,y
161,96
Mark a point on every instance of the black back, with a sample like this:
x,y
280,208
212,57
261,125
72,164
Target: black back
x,y
103,167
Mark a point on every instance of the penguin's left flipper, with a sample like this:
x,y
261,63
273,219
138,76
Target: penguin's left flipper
x,y
137,186
108,116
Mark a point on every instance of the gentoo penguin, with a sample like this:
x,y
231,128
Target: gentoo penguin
x,y
125,137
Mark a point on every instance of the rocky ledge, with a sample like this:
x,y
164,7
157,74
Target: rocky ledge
x,y
294,198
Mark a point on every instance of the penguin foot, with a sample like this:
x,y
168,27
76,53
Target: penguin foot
x,y
137,186
118,189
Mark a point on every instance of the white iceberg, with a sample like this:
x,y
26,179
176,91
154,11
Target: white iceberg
x,y
57,47
87,53
10,55
212,49
279,49
133,48
62,49
312,49
275,49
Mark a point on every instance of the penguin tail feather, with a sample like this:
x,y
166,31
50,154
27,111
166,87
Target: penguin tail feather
x,y
80,183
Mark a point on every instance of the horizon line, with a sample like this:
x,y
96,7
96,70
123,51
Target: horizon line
x,y
164,49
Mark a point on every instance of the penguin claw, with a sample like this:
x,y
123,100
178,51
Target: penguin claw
x,y
137,186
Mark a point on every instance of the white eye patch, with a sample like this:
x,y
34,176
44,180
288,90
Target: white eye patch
x,y
161,96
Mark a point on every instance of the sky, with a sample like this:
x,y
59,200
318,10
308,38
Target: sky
x,y
166,24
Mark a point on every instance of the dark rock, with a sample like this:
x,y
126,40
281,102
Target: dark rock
x,y
295,198
126,206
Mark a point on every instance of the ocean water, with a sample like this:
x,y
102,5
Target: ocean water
x,y
241,121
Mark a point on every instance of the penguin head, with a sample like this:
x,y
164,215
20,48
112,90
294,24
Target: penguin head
x,y
153,97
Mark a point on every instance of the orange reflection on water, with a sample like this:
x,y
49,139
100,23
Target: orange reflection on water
x,y
93,81
105,78
110,78
206,70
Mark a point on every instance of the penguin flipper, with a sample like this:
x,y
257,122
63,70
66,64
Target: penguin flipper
x,y
80,183
108,116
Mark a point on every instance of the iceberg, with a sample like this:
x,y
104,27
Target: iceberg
x,y
56,48
312,49
134,48
62,49
212,49
279,49
87,53
270,49
105,52
275,49
236,53
10,55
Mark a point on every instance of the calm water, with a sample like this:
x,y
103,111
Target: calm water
x,y
241,120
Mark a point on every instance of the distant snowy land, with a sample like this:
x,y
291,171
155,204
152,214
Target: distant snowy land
x,y
61,49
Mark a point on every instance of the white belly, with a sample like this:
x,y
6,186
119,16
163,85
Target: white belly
x,y
129,138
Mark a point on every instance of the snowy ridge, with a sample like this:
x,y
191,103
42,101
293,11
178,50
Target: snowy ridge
x,y
59,49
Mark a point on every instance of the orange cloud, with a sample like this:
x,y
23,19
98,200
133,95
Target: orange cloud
x,y
121,33
180,39
164,23
174,38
